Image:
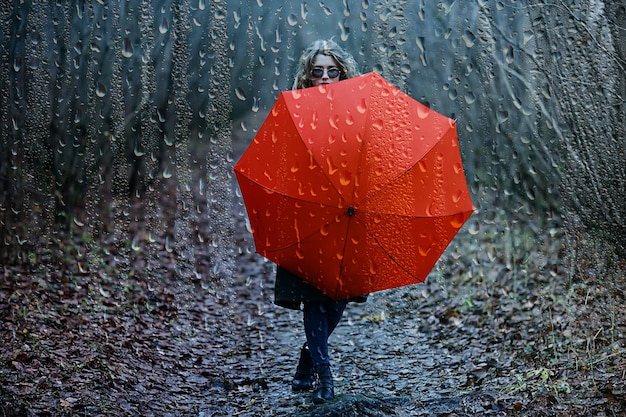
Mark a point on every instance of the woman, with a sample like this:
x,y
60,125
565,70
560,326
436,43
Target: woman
x,y
323,62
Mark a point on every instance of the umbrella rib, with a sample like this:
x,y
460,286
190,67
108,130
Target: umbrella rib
x,y
382,247
299,241
405,172
283,194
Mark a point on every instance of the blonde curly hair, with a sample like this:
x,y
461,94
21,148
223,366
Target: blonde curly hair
x,y
345,62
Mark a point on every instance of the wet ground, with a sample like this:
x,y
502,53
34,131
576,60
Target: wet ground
x,y
404,352
501,328
490,333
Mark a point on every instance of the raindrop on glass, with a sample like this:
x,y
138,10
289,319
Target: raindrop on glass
x,y
101,90
164,27
241,95
127,48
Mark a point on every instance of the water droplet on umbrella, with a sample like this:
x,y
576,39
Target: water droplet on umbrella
x,y
345,178
332,168
423,112
362,106
430,210
334,121
456,197
457,221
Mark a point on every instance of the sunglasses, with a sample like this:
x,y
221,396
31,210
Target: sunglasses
x,y
319,72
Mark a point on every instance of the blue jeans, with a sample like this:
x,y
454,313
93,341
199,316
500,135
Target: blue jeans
x,y
320,319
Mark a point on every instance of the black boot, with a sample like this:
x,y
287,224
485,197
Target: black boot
x,y
325,390
304,378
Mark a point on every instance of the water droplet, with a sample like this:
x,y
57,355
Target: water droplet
x,y
457,221
509,55
101,90
164,27
456,197
527,36
469,38
474,227
345,31
127,48
362,106
17,64
345,178
423,112
137,151
241,95
135,244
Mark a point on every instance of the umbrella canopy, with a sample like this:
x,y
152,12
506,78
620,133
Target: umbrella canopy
x,y
354,186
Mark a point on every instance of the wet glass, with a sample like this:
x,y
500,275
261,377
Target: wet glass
x,y
121,123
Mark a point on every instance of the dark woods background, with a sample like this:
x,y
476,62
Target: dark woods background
x,y
121,120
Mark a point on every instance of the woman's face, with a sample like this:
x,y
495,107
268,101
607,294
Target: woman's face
x,y
323,67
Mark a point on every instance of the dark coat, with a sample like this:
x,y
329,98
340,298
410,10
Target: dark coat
x,y
290,291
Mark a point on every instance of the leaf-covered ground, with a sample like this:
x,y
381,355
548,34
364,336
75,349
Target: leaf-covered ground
x,y
501,328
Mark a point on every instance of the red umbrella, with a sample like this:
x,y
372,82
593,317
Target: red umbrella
x,y
354,186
